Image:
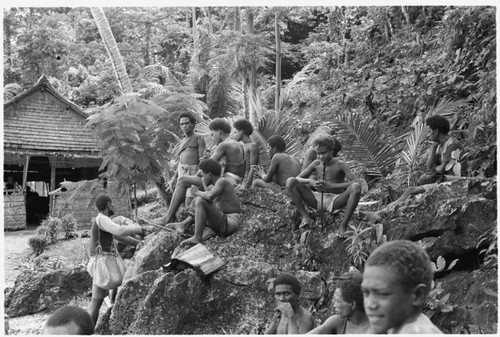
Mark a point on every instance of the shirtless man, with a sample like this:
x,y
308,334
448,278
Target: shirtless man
x,y
439,164
283,166
290,318
329,175
228,151
243,130
217,208
191,150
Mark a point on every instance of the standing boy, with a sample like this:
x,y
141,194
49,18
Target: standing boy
x,y
243,130
218,208
290,318
396,281
283,166
191,150
327,182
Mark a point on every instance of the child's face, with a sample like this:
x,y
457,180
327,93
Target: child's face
x,y
323,153
387,304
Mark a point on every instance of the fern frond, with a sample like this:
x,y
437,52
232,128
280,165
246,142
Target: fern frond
x,y
11,90
365,144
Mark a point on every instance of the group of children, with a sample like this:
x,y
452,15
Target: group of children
x,y
386,299
325,184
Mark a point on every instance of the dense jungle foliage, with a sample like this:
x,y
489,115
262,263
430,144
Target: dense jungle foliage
x,y
370,75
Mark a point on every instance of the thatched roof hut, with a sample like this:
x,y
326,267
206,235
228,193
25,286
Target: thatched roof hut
x,y
45,139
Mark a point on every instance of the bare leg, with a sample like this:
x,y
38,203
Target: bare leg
x,y
206,213
112,295
181,226
183,183
95,305
377,216
349,199
300,193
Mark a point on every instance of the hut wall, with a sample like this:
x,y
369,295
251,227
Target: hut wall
x,y
80,202
14,216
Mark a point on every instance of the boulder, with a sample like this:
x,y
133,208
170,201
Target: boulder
x,y
36,291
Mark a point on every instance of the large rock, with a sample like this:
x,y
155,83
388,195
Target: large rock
x,y
36,291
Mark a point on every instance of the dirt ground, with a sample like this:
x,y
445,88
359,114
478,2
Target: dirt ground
x,y
17,255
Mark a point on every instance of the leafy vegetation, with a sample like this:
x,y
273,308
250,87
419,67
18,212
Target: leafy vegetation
x,y
38,243
68,226
370,75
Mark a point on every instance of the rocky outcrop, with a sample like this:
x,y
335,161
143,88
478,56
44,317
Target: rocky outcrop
x,y
450,222
235,300
36,291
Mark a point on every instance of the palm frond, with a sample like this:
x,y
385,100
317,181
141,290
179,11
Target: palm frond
x,y
413,152
447,108
287,90
277,124
11,90
370,149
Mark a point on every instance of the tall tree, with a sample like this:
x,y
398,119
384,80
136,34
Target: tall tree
x,y
112,48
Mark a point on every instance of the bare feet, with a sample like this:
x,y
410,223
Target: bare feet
x,y
304,224
178,226
191,240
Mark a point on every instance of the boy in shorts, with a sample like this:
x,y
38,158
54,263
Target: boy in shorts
x,y
217,208
327,182
396,281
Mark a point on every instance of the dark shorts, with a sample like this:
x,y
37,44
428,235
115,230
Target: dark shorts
x,y
231,219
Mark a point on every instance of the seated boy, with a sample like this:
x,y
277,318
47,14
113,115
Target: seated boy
x,y
224,216
439,164
396,281
290,318
323,185
283,166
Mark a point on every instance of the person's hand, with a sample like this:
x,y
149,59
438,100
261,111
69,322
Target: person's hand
x,y
194,189
148,229
285,309
319,185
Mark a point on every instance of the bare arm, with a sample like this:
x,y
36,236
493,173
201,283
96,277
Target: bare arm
x,y
272,329
431,161
254,161
304,176
273,168
201,148
214,192
220,150
330,326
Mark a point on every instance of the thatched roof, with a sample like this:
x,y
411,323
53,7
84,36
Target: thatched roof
x,y
40,122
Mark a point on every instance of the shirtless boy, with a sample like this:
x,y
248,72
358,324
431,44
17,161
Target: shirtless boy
x,y
290,318
217,208
191,150
243,130
329,175
437,164
396,280
283,166
228,150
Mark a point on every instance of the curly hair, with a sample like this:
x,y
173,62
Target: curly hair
x,y
67,314
243,124
210,166
350,285
438,122
219,124
410,263
188,115
101,202
278,142
289,280
329,142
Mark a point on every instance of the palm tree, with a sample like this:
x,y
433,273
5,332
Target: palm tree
x,y
112,48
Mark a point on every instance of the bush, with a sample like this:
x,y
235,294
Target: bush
x,y
50,228
38,243
68,226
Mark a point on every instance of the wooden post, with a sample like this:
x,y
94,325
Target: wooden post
x,y
52,187
25,179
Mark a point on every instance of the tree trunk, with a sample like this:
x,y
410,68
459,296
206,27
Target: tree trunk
x,y
237,21
278,62
112,49
252,78
195,38
209,16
